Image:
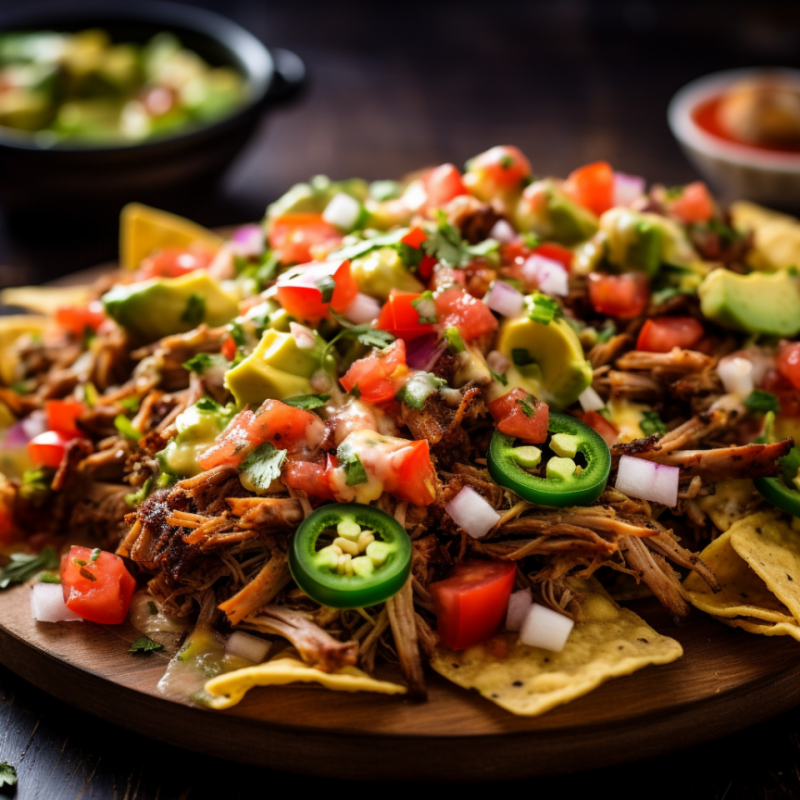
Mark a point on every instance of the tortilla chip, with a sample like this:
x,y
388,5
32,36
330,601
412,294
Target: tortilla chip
x,y
144,229
11,328
610,641
776,237
764,628
227,690
732,501
45,299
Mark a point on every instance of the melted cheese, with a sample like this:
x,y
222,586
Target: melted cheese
x,y
627,417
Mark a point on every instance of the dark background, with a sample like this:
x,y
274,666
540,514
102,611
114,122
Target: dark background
x,y
394,88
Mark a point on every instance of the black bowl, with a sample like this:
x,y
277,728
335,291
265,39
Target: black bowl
x,y
68,177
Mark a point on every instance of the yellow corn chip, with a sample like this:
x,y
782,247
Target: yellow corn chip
x,y
45,299
752,625
731,501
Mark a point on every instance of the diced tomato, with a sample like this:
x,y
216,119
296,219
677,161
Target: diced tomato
x,y
509,412
99,590
78,319
292,236
624,296
47,449
471,316
592,186
498,169
302,294
309,478
415,237
471,602
416,476
229,347
442,184
555,252
426,267
400,318
661,334
173,262
62,416
378,377
788,363
597,422
693,204
231,445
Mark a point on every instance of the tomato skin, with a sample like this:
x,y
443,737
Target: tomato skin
x,y
497,170
788,363
471,602
694,204
309,478
426,267
592,186
231,445
557,253
442,184
107,598
416,476
377,376
229,347
77,319
302,298
173,262
598,423
293,235
512,420
624,296
47,449
471,316
415,237
400,318
661,334
62,416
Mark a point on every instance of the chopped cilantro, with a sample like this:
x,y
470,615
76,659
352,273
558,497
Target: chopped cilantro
x,y
607,332
263,465
364,333
145,645
307,401
651,423
355,392
506,162
527,404
521,357
125,428
49,577
531,240
425,306
445,244
8,774
326,284
418,388
95,554
354,471
237,333
35,488
195,311
760,402
498,377
84,573
454,339
199,363
208,404
410,256
25,565
364,246
542,308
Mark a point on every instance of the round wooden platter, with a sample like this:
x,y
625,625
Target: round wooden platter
x,y
726,680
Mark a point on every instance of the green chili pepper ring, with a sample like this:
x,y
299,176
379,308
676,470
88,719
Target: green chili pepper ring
x,y
327,586
779,494
577,490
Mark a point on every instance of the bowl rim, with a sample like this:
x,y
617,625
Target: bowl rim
x,y
257,62
690,134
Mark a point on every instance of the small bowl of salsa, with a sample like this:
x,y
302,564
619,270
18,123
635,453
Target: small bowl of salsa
x,y
741,129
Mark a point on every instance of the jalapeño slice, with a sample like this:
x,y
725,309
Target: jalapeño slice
x,y
562,485
378,547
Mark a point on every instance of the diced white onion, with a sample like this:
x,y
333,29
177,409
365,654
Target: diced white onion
x,y
47,604
248,241
519,604
628,188
34,424
736,375
505,299
415,196
472,513
502,232
590,400
342,211
657,482
320,381
363,309
547,274
545,628
248,647
303,336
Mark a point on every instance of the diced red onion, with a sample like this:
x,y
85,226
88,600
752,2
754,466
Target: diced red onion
x,y
47,604
502,232
424,351
498,362
251,648
363,309
248,241
648,480
505,299
15,437
303,336
34,424
736,374
628,188
342,211
519,604
472,513
545,628
590,400
548,275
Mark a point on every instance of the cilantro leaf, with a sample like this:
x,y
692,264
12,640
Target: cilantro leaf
x,y
326,284
354,471
366,245
237,333
527,404
760,402
364,333
521,357
651,423
498,377
445,243
308,402
8,774
125,428
195,311
263,465
542,308
208,404
372,337
607,332
26,565
199,363
49,577
145,645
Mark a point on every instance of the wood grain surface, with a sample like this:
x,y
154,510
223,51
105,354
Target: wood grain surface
x,y
726,680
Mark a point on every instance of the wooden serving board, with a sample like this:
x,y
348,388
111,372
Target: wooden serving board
x,y
727,680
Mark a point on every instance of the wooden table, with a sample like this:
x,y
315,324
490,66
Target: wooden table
x,y
569,82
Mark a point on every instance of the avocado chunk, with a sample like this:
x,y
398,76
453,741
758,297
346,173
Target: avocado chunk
x,y
156,308
313,197
756,303
554,370
546,210
277,368
380,271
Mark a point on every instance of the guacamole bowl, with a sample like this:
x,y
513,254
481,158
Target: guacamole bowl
x,y
48,175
